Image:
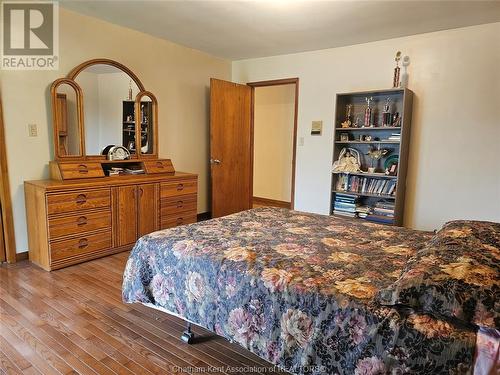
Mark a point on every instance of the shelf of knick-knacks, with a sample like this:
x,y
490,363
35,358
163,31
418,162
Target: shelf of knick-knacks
x,y
368,142
369,128
374,127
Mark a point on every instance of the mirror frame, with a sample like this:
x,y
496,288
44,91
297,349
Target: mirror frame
x,y
79,111
71,80
138,98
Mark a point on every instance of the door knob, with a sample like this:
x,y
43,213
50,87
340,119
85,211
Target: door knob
x,y
214,161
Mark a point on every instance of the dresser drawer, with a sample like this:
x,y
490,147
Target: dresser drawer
x,y
180,203
74,224
80,245
158,166
80,170
179,219
82,200
172,189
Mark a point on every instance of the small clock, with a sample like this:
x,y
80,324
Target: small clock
x,y
118,153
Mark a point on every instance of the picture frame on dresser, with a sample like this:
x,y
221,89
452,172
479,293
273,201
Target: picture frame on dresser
x,y
85,212
372,193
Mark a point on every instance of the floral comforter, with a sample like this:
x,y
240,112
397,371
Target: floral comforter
x,y
298,290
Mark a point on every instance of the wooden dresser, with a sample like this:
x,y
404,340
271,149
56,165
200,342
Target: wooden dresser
x,y
108,186
72,221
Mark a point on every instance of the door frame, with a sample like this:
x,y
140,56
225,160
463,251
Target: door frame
x,y
5,198
275,82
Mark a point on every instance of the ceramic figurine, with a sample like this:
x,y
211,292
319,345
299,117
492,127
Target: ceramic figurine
x,y
404,76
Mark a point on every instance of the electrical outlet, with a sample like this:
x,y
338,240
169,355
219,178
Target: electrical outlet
x,y
32,130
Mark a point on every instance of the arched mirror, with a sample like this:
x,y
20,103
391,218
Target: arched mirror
x,y
109,116
114,110
66,110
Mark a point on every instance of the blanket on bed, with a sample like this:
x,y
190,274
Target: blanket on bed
x,y
298,290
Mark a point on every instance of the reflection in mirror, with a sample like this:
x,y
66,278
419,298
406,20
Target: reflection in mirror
x,y
66,121
146,117
109,95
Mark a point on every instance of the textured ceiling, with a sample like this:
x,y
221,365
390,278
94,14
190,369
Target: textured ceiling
x,y
247,29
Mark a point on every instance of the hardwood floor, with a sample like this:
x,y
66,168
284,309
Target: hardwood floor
x,y
73,321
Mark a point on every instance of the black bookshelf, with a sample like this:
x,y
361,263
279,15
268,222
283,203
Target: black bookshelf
x,y
129,130
362,139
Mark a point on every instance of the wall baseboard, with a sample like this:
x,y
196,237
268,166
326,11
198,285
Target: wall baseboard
x,y
22,256
271,202
204,216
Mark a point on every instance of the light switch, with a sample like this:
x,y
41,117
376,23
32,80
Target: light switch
x,y
316,127
301,141
32,130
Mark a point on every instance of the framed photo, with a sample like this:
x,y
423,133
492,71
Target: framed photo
x,y
344,137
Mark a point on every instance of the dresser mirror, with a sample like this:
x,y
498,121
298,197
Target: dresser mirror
x,y
103,103
147,116
109,95
66,102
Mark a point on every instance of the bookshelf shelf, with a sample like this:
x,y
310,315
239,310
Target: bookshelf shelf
x,y
382,196
368,142
390,206
366,174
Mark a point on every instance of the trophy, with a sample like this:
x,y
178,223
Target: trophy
x,y
395,80
386,114
368,112
347,122
129,90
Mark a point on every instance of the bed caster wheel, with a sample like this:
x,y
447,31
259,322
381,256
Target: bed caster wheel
x,y
187,337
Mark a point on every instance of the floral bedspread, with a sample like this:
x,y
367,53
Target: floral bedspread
x,y
298,290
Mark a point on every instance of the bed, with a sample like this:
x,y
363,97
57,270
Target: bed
x,y
310,293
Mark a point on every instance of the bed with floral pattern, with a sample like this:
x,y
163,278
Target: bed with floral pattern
x,y
312,294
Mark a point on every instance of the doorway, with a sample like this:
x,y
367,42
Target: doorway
x,y
232,150
274,128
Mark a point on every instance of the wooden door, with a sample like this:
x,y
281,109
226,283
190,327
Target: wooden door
x,y
230,147
126,217
148,214
3,256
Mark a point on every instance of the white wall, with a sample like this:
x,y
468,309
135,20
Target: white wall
x,y
178,76
274,112
455,142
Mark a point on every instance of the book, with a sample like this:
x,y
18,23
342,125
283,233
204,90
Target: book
x,y
342,213
380,219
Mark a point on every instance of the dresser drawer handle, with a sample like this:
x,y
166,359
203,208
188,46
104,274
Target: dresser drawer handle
x,y
180,220
180,204
82,168
83,243
180,187
82,220
81,198
159,164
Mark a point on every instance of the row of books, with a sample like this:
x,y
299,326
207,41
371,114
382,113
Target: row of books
x,y
350,206
345,205
370,185
395,137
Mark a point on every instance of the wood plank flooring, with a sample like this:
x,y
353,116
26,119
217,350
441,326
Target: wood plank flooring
x,y
73,321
